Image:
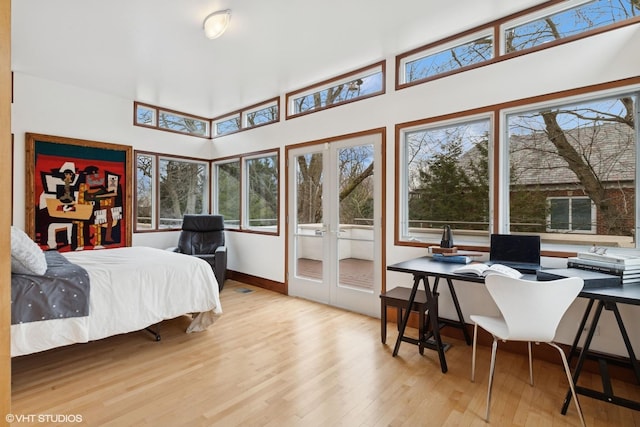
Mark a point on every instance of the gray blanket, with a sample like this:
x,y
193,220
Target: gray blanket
x,y
62,292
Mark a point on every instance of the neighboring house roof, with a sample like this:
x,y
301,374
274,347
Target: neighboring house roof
x,y
608,148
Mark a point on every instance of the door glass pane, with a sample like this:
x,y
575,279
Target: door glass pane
x,y
309,220
355,203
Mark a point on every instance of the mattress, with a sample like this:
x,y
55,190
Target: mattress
x,y
131,288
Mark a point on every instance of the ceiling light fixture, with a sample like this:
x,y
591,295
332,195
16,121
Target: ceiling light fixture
x,y
216,23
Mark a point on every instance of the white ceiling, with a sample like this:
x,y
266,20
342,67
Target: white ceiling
x,y
155,50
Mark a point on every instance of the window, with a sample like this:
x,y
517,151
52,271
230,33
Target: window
x,y
256,115
262,194
227,195
446,57
522,32
570,214
445,180
357,85
227,125
261,116
167,188
565,20
183,124
183,190
572,167
253,179
145,116
145,190
168,120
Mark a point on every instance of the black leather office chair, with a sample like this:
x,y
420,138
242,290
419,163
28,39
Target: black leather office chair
x,y
203,236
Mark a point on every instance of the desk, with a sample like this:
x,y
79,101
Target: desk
x,y
421,269
607,298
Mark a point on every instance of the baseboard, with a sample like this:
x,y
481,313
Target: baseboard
x,y
260,282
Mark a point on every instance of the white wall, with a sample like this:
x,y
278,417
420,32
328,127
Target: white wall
x,y
56,109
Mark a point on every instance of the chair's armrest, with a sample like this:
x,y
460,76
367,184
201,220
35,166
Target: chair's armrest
x,y
221,249
207,257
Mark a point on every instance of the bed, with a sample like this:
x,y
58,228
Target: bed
x,y
130,289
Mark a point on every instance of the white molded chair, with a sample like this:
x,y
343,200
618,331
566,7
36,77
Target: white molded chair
x,y
531,312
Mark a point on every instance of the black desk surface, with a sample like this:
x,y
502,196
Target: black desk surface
x,y
428,267
628,294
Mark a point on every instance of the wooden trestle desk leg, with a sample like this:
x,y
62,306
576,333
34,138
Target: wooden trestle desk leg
x,y
432,306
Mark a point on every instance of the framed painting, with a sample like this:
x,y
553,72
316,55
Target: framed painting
x,y
78,193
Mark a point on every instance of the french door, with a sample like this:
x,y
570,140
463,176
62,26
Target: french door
x,y
335,221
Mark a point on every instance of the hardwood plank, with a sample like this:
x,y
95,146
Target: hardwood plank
x,y
273,360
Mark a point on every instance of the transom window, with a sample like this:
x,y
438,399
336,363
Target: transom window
x,y
520,33
357,85
172,121
444,58
227,125
248,118
565,20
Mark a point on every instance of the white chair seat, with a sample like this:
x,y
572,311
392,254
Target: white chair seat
x,y
531,312
494,325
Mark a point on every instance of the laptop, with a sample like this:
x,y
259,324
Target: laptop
x,y
516,251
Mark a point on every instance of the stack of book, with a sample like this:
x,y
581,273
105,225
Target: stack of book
x,y
453,258
627,267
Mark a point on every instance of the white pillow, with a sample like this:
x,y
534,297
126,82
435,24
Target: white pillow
x,y
26,255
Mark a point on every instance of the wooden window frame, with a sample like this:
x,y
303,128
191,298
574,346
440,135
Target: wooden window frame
x,y
242,227
325,84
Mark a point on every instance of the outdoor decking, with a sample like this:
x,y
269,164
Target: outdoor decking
x,y
352,271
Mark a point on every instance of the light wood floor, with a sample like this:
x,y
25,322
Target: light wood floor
x,y
273,360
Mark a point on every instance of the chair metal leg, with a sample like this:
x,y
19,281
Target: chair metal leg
x,y
494,348
473,353
571,385
530,364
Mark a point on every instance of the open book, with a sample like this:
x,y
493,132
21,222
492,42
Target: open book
x,y
483,270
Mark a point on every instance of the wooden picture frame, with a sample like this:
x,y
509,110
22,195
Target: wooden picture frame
x,y
78,193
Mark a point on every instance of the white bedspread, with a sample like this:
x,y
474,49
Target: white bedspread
x,y
131,288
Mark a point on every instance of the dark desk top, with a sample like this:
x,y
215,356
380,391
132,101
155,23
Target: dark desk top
x,y
425,266
627,294
428,267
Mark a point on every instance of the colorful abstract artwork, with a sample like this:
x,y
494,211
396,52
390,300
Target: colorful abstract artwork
x,y
78,193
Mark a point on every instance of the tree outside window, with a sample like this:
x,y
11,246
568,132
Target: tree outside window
x,y
183,190
582,150
144,191
570,22
447,179
262,173
228,192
